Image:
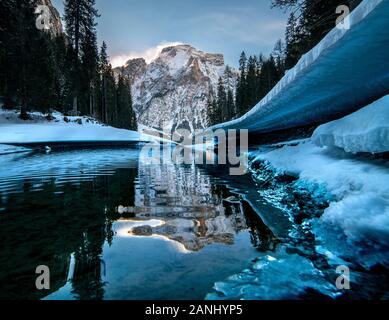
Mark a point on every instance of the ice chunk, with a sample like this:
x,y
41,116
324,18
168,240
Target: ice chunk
x,y
283,276
366,130
359,187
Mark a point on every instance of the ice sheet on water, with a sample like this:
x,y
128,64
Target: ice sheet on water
x,y
7,149
275,277
358,188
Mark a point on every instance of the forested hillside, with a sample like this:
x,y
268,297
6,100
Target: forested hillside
x,y
43,70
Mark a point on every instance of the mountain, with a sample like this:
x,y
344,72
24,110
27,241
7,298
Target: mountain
x,y
174,90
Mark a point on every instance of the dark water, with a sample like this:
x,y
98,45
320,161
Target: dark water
x,y
110,226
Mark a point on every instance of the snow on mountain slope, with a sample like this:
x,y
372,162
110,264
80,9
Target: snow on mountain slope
x,y
61,129
346,70
366,130
173,90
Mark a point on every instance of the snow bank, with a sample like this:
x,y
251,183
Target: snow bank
x,y
61,129
346,70
359,187
366,130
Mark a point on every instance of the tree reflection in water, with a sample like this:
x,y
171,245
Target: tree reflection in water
x,y
45,222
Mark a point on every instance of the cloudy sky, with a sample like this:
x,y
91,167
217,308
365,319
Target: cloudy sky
x,y
141,28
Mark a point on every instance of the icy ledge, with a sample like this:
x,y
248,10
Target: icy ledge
x,y
366,130
358,186
346,70
353,230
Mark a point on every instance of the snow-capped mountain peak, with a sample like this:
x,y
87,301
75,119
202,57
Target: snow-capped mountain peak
x,y
174,90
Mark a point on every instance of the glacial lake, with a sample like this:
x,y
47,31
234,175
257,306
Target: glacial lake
x,y
112,226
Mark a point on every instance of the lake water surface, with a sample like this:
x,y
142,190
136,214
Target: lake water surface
x,y
111,227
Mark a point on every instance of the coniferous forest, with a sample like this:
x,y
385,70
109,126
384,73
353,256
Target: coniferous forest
x,y
42,70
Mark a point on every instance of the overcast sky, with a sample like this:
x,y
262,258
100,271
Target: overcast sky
x,y
140,28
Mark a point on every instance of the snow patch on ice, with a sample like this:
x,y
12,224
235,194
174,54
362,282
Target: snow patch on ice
x,y
359,186
366,130
276,277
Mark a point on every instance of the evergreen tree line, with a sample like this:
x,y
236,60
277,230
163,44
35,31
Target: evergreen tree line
x,y
42,71
309,21
222,107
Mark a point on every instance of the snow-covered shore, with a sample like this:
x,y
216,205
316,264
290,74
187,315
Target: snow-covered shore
x,y
352,231
358,184
60,129
359,187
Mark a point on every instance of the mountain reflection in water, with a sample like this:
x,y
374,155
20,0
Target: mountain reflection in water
x,y
110,226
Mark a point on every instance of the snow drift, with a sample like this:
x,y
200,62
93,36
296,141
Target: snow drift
x,y
366,130
346,70
61,129
359,188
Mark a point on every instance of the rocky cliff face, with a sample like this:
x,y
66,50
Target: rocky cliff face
x,y
133,70
173,91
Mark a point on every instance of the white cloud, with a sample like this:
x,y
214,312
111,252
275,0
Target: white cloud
x,y
149,54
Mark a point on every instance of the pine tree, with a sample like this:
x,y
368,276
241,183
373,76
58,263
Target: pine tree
x,y
80,16
241,90
213,112
27,58
251,83
89,69
104,71
293,40
269,77
110,97
222,100
126,115
61,76
279,57
231,110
